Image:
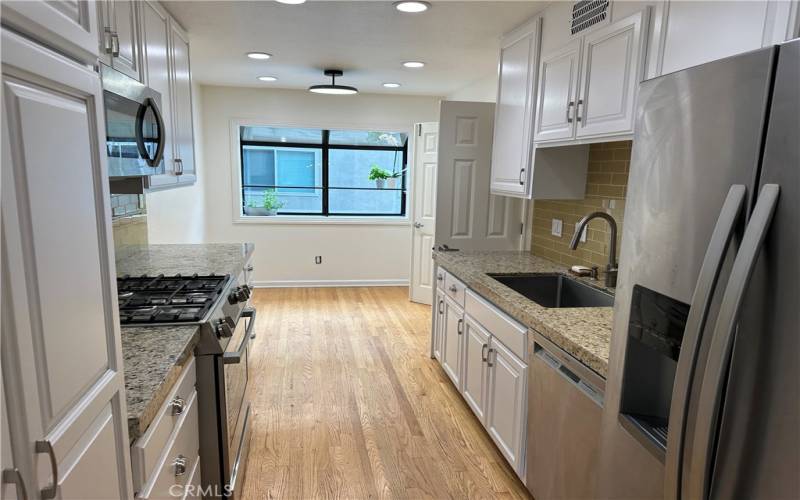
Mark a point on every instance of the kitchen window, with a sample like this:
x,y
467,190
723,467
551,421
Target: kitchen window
x,y
321,172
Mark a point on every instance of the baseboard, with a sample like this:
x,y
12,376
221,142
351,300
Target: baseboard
x,y
328,283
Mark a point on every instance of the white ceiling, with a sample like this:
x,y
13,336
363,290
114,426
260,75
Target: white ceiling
x,y
367,39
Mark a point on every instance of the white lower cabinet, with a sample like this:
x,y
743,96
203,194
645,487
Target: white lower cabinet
x,y
452,333
476,372
479,349
438,324
507,402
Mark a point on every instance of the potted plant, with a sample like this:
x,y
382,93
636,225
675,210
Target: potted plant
x,y
379,175
269,205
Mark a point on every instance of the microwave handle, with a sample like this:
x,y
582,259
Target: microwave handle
x,y
156,159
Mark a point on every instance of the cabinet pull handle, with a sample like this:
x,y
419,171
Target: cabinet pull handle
x,y
250,268
107,44
460,326
439,277
522,177
441,304
178,404
453,288
580,109
114,44
47,447
13,476
180,465
483,352
491,350
178,166
569,111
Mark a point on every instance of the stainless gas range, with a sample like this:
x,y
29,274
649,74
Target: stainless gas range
x,y
218,305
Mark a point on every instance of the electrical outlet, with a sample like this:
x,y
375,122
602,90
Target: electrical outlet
x,y
583,234
555,228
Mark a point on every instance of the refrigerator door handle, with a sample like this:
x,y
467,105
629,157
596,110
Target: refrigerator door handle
x,y
729,217
719,354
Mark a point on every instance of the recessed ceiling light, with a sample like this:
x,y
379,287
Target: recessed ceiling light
x,y
267,78
258,55
291,2
390,85
332,88
413,64
412,7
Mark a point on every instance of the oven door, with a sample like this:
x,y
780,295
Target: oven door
x,y
237,407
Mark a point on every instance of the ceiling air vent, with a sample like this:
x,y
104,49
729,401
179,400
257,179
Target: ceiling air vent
x,y
587,13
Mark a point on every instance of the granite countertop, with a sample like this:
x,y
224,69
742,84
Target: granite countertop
x,y
584,332
154,356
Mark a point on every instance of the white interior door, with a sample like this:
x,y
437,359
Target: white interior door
x,y
469,216
426,149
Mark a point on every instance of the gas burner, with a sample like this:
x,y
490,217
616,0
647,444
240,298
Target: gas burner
x,y
168,299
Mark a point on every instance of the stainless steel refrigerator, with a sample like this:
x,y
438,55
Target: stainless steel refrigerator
x,y
703,394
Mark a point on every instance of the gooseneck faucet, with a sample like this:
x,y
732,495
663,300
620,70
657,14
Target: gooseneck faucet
x,y
611,268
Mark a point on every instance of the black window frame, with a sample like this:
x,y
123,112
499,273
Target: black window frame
x,y
325,147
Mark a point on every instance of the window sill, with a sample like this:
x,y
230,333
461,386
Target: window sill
x,y
323,221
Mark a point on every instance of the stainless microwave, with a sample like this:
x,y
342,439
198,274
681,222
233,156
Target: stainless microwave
x,y
135,134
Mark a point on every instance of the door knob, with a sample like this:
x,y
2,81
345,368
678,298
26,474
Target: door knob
x,y
418,225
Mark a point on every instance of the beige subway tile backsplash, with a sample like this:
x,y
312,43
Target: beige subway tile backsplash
x,y
606,186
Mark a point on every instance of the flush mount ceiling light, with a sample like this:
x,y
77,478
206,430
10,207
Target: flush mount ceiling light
x,y
413,64
268,78
412,7
291,2
390,85
333,88
258,55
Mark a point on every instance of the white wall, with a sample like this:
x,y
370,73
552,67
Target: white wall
x,y
285,252
483,89
178,215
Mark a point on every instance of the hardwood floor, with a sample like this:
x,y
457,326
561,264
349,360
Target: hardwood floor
x,y
348,404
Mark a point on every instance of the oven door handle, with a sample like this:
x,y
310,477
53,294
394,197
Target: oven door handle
x,y
232,358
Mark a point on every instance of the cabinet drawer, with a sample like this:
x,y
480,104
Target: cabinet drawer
x,y
454,288
440,276
184,444
506,329
147,450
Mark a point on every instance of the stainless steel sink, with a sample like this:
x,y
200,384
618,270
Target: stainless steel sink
x,y
555,290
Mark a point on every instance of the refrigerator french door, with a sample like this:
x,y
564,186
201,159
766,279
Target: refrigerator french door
x,y
702,399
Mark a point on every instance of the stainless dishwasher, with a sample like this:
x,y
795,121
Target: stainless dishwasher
x,y
565,406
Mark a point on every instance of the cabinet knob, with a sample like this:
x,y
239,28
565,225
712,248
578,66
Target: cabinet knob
x,y
453,288
439,277
178,404
180,464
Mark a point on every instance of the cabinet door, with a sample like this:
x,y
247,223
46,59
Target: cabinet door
x,y
438,325
61,341
558,81
182,105
507,402
452,344
610,74
155,49
70,26
126,47
476,348
511,148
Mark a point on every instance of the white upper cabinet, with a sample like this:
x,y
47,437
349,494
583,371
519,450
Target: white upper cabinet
x,y
511,150
70,26
611,71
558,83
63,364
587,87
702,31
120,43
183,135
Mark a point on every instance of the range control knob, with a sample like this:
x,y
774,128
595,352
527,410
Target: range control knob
x,y
223,329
